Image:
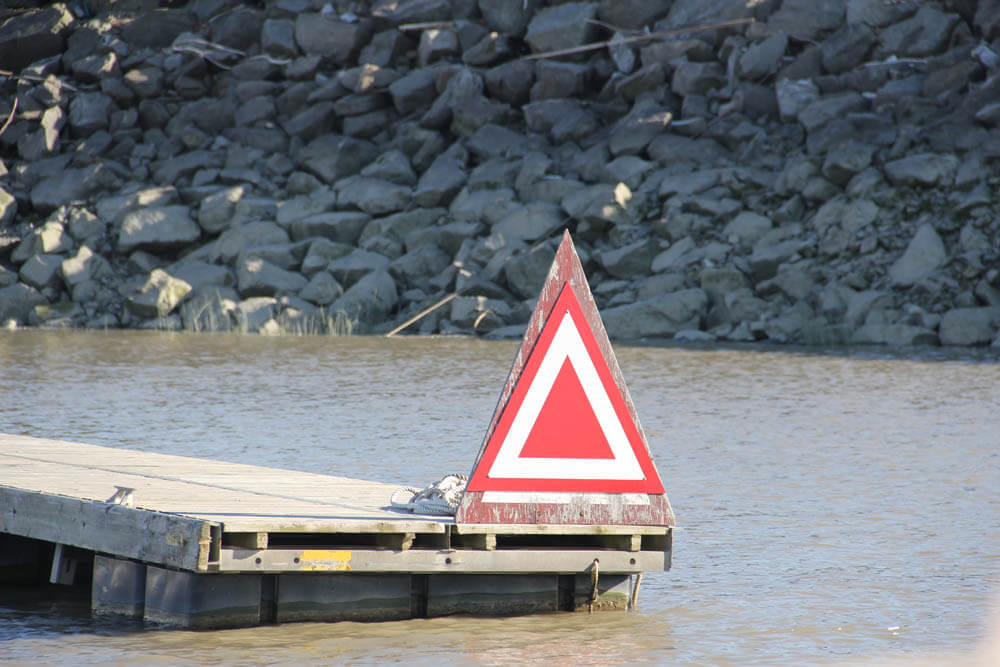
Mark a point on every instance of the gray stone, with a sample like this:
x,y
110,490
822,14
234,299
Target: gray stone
x,y
644,123
419,265
321,252
277,36
526,271
531,222
927,169
562,26
490,206
877,13
441,182
861,304
718,282
661,316
339,226
633,14
510,82
318,201
33,35
925,33
89,112
369,300
186,164
893,334
631,260
351,268
747,228
829,108
67,186
157,228
676,257
256,109
199,274
328,36
323,289
555,80
741,305
146,81
969,326
158,297
83,266
924,254
8,207
287,256
373,195
253,315
216,211
767,258
847,48
479,313
399,225
845,159
763,58
508,16
210,308
491,49
96,66
415,90
333,157
258,277
794,96
437,44
599,204
41,270
806,20
17,301
697,78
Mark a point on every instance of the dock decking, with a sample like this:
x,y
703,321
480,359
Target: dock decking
x,y
203,518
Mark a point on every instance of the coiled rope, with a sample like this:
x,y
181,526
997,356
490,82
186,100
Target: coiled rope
x,y
442,497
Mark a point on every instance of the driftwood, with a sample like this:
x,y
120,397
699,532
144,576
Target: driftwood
x,y
10,117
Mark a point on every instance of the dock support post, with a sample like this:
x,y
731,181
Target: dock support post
x,y
492,594
343,597
202,601
612,592
63,567
118,588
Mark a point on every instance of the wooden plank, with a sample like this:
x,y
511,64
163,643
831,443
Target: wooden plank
x,y
423,561
153,537
555,529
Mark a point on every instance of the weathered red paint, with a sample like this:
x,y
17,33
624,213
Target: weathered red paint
x,y
588,504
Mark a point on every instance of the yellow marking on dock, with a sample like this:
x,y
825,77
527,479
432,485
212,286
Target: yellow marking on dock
x,y
325,560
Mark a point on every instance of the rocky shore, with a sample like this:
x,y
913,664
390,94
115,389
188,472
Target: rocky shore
x,y
814,171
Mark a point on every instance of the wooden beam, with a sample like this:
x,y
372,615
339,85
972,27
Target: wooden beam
x,y
152,537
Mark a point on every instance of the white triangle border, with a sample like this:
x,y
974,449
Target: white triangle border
x,y
567,343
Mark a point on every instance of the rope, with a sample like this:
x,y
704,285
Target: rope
x,y
442,497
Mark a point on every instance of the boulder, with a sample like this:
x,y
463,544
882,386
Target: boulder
x,y
254,315
216,211
530,222
660,317
68,185
88,113
926,169
419,265
17,302
210,308
338,226
41,270
924,254
33,35
925,33
373,195
332,157
352,267
970,326
763,58
157,228
526,271
563,26
158,297
631,260
84,266
323,289
370,300
328,36
8,207
258,277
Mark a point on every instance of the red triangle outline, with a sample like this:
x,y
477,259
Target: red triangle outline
x,y
480,480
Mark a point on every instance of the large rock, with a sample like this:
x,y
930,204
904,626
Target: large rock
x,y
41,270
927,169
925,33
34,35
659,317
8,207
351,268
84,266
157,228
332,157
216,211
17,301
66,186
158,297
969,326
258,277
923,255
526,271
339,226
373,195
329,37
631,260
370,300
562,26
419,265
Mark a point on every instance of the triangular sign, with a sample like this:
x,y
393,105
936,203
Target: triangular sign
x,y
564,445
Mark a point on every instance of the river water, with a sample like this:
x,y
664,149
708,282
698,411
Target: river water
x,y
832,507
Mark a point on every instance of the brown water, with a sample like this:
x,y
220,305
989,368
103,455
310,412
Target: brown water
x,y
831,507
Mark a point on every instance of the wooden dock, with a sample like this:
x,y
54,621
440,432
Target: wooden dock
x,y
213,544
